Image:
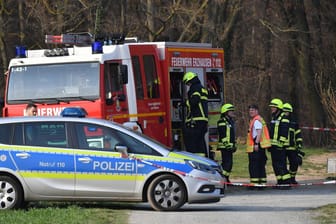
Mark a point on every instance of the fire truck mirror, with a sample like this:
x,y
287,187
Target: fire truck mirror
x,y
109,101
122,97
2,102
123,74
119,97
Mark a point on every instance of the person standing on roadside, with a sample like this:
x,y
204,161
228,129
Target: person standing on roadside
x,y
258,140
226,138
31,110
279,128
196,122
294,144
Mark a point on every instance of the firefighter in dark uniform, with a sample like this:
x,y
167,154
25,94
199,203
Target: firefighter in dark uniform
x,y
279,128
294,144
226,138
196,122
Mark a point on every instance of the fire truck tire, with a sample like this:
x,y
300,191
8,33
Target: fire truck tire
x,y
166,193
11,194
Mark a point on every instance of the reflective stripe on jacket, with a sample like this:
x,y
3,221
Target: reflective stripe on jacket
x,y
294,137
279,130
197,103
226,133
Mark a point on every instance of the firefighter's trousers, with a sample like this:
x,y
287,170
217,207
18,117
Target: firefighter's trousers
x,y
293,161
194,138
257,166
279,165
227,161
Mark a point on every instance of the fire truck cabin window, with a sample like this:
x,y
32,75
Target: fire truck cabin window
x,y
113,84
152,81
137,78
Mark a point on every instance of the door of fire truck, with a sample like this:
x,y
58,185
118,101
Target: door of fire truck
x,y
150,95
213,80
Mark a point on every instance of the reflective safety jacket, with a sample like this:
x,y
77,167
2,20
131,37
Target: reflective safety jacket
x,y
279,128
265,141
226,133
294,136
197,103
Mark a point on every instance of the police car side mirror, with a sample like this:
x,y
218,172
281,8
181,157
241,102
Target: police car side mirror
x,y
123,150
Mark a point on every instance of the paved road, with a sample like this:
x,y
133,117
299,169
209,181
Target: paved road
x,y
241,206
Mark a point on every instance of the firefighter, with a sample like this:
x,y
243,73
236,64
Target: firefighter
x,y
226,138
196,122
258,140
294,145
279,128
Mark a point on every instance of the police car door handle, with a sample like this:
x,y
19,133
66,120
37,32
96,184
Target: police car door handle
x,y
85,159
23,155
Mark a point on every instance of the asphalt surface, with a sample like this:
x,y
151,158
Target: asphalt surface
x,y
241,206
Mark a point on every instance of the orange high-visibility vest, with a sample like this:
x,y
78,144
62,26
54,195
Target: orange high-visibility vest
x,y
265,141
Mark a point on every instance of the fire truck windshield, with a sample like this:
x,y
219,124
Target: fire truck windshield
x,y
53,82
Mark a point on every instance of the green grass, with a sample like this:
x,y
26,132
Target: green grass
x,y
326,214
70,213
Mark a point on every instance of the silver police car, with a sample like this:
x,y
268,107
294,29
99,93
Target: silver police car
x,y
84,159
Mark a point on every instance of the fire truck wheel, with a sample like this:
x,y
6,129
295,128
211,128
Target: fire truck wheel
x,y
11,194
166,193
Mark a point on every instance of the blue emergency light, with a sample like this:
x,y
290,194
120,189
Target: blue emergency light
x,y
74,112
97,47
21,52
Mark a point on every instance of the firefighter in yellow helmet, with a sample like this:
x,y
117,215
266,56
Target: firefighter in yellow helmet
x,y
294,145
278,129
196,121
226,138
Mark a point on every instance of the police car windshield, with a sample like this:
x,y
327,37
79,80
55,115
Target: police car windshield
x,y
47,82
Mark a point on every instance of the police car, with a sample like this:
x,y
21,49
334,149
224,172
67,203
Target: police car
x,y
69,158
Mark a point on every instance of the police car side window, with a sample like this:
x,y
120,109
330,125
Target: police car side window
x,y
96,137
5,131
18,135
135,146
91,136
46,134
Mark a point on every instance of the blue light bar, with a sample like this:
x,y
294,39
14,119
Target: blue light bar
x,y
20,52
74,112
97,47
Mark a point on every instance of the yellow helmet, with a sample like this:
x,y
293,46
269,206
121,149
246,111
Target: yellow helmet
x,y
188,76
276,103
227,107
287,107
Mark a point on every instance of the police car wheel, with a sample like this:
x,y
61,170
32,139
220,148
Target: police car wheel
x,y
11,195
166,193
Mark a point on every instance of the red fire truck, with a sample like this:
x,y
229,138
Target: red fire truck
x,y
138,84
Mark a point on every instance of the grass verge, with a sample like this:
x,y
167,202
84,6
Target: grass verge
x,y
70,213
326,214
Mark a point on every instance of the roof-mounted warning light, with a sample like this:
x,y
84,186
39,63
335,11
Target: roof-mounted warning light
x,y
71,39
74,112
97,47
20,52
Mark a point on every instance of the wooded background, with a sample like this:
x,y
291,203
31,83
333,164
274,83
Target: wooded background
x,y
273,48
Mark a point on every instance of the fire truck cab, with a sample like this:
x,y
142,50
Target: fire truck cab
x,y
138,84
